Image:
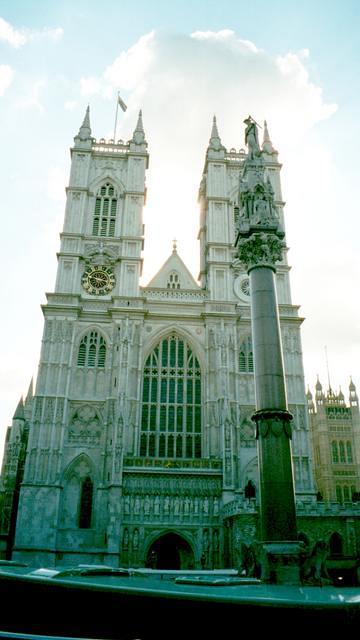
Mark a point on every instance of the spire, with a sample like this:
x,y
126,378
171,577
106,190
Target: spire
x,y
83,138
139,133
215,140
85,129
174,245
29,395
19,413
267,145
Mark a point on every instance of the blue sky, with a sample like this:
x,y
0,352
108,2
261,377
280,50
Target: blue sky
x,y
294,63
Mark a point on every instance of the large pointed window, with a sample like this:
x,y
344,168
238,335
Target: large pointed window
x,y
171,402
105,211
246,358
92,351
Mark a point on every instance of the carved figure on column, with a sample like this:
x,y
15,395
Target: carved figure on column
x,y
251,138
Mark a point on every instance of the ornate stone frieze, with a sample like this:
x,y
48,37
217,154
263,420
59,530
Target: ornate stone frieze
x,y
185,508
176,485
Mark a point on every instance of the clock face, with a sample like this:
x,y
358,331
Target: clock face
x,y
98,280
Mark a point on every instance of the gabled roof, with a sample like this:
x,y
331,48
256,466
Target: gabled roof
x,y
173,264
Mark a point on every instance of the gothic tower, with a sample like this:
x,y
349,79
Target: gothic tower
x,y
140,447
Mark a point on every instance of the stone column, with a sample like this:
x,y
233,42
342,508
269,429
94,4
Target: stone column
x,y
259,246
273,428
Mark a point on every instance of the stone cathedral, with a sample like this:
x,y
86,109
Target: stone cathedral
x,y
137,447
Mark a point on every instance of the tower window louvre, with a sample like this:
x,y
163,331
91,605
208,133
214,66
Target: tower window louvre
x,y
92,351
105,212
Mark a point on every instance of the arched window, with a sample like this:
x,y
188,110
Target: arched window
x,y
349,454
246,358
92,351
105,211
86,500
336,544
346,491
173,281
335,453
342,451
171,402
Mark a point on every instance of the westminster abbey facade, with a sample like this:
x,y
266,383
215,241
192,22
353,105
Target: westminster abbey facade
x,y
136,447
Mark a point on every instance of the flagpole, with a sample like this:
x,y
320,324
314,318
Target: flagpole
x,y
116,116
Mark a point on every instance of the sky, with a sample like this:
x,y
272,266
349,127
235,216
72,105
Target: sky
x,y
293,63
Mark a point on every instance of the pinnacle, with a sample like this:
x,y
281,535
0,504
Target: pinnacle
x,y
30,393
139,133
215,140
85,129
19,412
267,145
139,125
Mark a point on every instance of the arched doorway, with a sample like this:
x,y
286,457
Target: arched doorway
x,y
170,551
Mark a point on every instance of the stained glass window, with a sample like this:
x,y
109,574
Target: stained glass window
x,y
171,401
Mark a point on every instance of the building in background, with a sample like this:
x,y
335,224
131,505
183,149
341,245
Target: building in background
x,y
140,448
335,429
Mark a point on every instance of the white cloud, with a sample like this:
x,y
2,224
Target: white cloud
x,y
70,105
132,66
32,99
6,77
90,85
10,35
17,38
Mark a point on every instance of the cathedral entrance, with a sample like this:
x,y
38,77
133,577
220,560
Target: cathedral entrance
x,y
170,551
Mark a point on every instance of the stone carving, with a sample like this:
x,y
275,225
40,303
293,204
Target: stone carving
x,y
59,409
260,249
157,506
135,541
147,505
38,408
176,485
275,422
247,432
127,505
313,564
84,427
206,506
126,539
49,409
251,138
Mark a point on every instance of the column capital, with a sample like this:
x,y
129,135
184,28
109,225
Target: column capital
x,y
260,249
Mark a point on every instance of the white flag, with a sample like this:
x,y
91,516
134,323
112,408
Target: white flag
x,y
122,103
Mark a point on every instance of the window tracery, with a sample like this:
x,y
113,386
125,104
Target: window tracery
x,y
171,401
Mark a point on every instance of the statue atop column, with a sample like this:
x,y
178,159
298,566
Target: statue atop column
x,y
252,139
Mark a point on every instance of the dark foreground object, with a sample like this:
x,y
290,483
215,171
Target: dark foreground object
x,y
133,604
